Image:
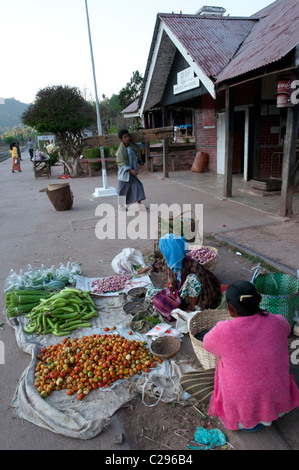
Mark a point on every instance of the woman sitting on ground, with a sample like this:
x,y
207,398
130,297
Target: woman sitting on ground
x,y
252,386
196,284
129,186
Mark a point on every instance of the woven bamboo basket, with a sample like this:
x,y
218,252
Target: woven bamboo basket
x,y
202,321
135,306
165,346
60,196
211,264
137,292
280,294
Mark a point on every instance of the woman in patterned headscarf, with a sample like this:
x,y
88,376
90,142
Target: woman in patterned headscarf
x,y
196,284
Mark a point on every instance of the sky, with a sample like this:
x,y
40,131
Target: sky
x,y
45,42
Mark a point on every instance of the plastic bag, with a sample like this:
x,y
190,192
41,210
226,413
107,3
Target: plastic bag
x,y
128,261
158,330
163,329
49,279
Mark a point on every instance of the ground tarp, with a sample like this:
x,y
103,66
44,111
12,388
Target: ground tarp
x,y
85,419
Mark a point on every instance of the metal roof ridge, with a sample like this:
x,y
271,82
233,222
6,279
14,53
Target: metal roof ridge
x,y
209,17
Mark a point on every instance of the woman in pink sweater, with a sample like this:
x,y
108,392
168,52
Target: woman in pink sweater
x,y
252,380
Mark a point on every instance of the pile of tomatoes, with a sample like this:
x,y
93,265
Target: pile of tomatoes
x,y
84,364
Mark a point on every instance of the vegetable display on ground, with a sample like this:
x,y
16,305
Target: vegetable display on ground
x,y
62,313
109,284
81,365
19,302
202,255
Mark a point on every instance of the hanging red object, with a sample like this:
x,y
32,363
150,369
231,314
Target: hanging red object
x,y
284,91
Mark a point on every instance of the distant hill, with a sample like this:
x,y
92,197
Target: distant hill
x,y
10,113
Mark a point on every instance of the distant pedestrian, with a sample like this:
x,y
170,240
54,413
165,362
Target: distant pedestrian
x,y
30,147
16,165
18,150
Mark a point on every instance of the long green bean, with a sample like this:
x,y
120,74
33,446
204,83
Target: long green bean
x,y
61,313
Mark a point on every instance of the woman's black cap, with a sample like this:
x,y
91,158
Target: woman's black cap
x,y
244,297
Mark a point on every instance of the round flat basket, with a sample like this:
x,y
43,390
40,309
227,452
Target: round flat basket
x,y
210,264
203,322
53,187
165,346
135,306
137,292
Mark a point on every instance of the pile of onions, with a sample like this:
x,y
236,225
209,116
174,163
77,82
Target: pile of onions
x,y
202,255
109,284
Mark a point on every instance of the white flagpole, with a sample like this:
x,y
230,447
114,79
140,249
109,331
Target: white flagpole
x,y
105,191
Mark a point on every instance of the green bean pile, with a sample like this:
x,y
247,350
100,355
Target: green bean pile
x,y
19,302
61,313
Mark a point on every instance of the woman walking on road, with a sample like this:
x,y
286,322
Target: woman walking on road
x,y
16,165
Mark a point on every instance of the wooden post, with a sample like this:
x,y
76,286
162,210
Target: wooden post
x,y
229,141
148,157
257,130
165,158
289,161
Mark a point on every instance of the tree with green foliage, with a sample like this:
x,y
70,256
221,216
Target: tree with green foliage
x,y
19,133
110,111
131,91
62,111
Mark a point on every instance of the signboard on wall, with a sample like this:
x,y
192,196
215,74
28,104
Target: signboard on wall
x,y
185,81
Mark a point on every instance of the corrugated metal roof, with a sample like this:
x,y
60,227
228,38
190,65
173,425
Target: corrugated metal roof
x,y
210,41
271,39
131,108
222,47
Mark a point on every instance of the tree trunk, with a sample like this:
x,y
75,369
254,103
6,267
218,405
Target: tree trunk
x,y
73,166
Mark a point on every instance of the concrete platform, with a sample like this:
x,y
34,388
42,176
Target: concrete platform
x,y
32,232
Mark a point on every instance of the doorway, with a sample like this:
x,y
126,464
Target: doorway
x,y
238,148
241,143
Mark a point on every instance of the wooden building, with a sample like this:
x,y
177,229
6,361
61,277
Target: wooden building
x,y
231,84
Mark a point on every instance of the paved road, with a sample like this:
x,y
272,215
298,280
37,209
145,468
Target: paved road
x,y
32,232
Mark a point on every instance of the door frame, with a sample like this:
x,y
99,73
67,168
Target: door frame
x,y
221,140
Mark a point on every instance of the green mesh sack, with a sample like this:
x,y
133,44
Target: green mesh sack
x,y
280,294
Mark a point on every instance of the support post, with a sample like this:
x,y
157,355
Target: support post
x,y
148,159
229,141
165,158
289,161
257,130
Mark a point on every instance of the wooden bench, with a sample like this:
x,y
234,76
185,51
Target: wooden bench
x,y
151,161
89,161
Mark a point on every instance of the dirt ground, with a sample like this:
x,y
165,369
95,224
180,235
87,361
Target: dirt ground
x,y
170,425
